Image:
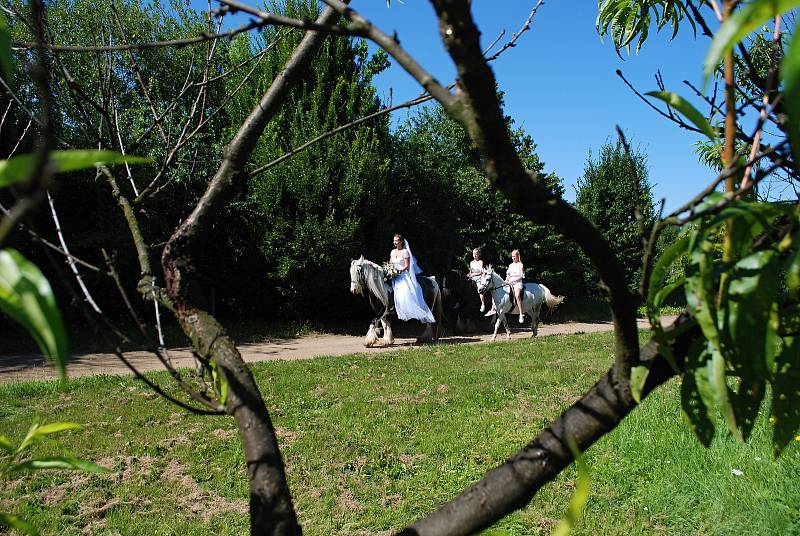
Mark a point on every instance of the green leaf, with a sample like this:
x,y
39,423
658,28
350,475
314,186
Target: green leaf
x,y
786,394
722,393
579,496
753,289
793,272
746,403
638,378
685,107
789,320
790,76
56,427
739,25
219,381
18,168
6,62
26,296
60,462
700,288
657,293
7,445
37,432
18,524
696,395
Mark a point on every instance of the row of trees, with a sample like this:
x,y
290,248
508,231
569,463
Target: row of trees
x,y
736,343
297,222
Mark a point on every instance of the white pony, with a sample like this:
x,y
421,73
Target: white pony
x,y
532,299
366,278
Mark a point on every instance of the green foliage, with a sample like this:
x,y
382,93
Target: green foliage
x,y
17,168
790,75
624,20
308,217
105,90
445,206
26,296
6,64
15,459
741,24
605,195
747,311
579,497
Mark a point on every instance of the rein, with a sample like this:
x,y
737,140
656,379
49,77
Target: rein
x,y
489,289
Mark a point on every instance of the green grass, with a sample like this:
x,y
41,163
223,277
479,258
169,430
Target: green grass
x,y
372,441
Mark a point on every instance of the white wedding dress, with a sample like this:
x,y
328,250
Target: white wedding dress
x,y
408,299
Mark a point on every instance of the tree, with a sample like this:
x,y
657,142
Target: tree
x,y
614,194
310,215
433,160
710,343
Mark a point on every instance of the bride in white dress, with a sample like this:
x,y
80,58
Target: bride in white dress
x,y
408,300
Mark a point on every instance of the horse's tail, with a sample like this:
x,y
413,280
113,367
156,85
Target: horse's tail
x,y
438,307
549,299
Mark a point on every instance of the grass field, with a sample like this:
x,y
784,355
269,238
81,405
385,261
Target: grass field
x,y
373,441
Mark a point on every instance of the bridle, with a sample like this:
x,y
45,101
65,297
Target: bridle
x,y
361,281
489,289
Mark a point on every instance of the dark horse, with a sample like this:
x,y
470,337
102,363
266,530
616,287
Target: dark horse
x,y
366,278
461,301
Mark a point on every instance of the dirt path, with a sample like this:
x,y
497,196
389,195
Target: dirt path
x,y
32,367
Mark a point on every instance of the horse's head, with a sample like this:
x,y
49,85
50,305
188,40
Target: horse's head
x,y
484,281
451,282
357,276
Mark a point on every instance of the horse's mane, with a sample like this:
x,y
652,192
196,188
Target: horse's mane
x,y
373,276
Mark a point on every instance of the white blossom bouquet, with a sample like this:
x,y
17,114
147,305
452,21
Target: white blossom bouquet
x,y
390,271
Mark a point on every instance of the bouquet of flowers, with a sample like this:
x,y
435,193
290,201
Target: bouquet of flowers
x,y
390,271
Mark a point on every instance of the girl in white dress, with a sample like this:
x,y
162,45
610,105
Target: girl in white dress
x,y
514,278
476,271
408,300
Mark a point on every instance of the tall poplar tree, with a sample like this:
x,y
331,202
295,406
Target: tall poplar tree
x,y
605,195
308,217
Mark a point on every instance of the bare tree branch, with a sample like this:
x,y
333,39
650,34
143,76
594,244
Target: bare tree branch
x,y
271,506
201,38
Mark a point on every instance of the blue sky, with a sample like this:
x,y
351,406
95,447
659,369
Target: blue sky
x,y
560,83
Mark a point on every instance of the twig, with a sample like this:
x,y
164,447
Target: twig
x,y
271,19
671,117
159,352
200,38
70,260
155,387
525,27
3,120
38,238
771,77
726,173
24,132
293,152
137,71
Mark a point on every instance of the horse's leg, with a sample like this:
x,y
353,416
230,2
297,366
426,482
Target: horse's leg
x,y
497,325
372,336
535,319
505,325
388,336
